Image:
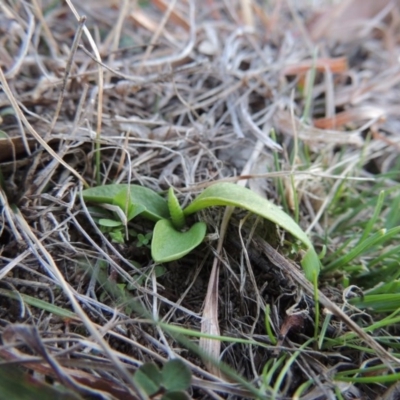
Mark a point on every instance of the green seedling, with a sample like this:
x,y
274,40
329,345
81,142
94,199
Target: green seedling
x,y
117,236
144,240
113,228
172,239
170,383
113,225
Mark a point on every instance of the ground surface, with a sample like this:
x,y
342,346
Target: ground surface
x,y
297,101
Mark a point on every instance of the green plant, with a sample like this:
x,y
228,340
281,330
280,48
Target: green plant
x,y
113,228
143,240
172,239
171,382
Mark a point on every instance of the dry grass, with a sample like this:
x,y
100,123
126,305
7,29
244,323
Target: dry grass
x,y
185,94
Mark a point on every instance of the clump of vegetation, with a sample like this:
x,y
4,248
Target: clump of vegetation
x,y
169,239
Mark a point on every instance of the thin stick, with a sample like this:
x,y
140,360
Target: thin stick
x,y
75,43
100,89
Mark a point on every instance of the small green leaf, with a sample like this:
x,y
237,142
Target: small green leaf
x,y
177,217
143,240
155,206
228,194
109,223
311,264
132,233
7,111
160,270
168,244
175,375
117,237
149,378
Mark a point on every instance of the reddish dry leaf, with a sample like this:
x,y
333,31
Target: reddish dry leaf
x,y
294,126
349,116
291,322
334,65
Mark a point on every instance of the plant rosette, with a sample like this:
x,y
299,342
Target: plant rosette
x,y
171,238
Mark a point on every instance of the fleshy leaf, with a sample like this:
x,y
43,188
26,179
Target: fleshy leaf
x,y
175,210
155,207
228,194
168,244
125,203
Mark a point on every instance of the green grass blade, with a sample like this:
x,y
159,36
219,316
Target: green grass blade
x,y
376,239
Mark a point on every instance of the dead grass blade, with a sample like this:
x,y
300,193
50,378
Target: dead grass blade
x,y
29,335
175,16
350,116
247,12
14,69
30,128
310,134
100,85
210,323
49,265
85,382
173,59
